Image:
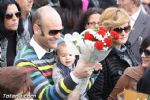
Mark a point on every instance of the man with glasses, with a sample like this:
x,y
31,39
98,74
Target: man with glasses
x,y
39,56
140,23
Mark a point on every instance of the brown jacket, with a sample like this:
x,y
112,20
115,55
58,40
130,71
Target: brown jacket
x,y
128,80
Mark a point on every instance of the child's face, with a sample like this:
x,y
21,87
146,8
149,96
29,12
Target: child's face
x,y
65,57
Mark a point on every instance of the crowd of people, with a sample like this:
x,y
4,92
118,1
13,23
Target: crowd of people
x,y
36,63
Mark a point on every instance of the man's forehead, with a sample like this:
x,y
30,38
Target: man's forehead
x,y
50,13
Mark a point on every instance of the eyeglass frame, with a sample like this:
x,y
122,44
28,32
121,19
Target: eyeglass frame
x,y
9,16
145,51
120,29
51,32
54,32
93,23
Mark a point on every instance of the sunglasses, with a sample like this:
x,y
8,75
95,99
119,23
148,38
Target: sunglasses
x,y
10,15
120,29
146,52
54,32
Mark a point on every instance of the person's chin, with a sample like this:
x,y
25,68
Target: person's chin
x,y
53,46
145,65
13,28
68,64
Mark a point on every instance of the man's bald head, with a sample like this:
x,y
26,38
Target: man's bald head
x,y
47,27
45,12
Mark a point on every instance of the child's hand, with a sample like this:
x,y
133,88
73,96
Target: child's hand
x,y
98,66
75,95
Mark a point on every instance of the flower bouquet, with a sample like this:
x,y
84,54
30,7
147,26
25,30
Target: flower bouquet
x,y
91,46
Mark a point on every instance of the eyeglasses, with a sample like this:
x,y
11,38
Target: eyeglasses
x,y
93,23
51,32
10,15
54,32
146,52
120,29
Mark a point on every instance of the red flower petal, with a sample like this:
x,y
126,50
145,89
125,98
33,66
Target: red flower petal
x,y
108,41
115,35
102,28
88,36
102,31
99,45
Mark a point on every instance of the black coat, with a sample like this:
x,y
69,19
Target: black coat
x,y
144,83
113,68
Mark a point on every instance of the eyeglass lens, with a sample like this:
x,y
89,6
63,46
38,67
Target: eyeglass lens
x,y
10,15
126,29
146,52
54,32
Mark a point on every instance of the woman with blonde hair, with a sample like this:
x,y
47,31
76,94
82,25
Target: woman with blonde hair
x,y
120,57
132,74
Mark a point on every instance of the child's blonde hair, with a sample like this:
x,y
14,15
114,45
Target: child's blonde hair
x,y
60,47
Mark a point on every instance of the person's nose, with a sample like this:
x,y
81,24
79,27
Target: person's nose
x,y
30,1
123,32
68,57
57,35
97,25
143,54
14,17
118,2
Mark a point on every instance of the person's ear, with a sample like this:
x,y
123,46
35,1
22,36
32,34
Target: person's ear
x,y
36,29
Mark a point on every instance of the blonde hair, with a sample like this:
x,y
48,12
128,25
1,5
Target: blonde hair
x,y
60,47
114,17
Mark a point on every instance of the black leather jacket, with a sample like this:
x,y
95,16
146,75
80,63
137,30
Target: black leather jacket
x,y
113,67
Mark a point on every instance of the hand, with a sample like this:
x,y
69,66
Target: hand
x,y
83,69
75,95
98,66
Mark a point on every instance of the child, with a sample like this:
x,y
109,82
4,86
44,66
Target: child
x,y
65,64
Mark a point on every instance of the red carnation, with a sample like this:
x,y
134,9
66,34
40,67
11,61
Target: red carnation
x,y
108,41
115,35
99,45
88,36
102,31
